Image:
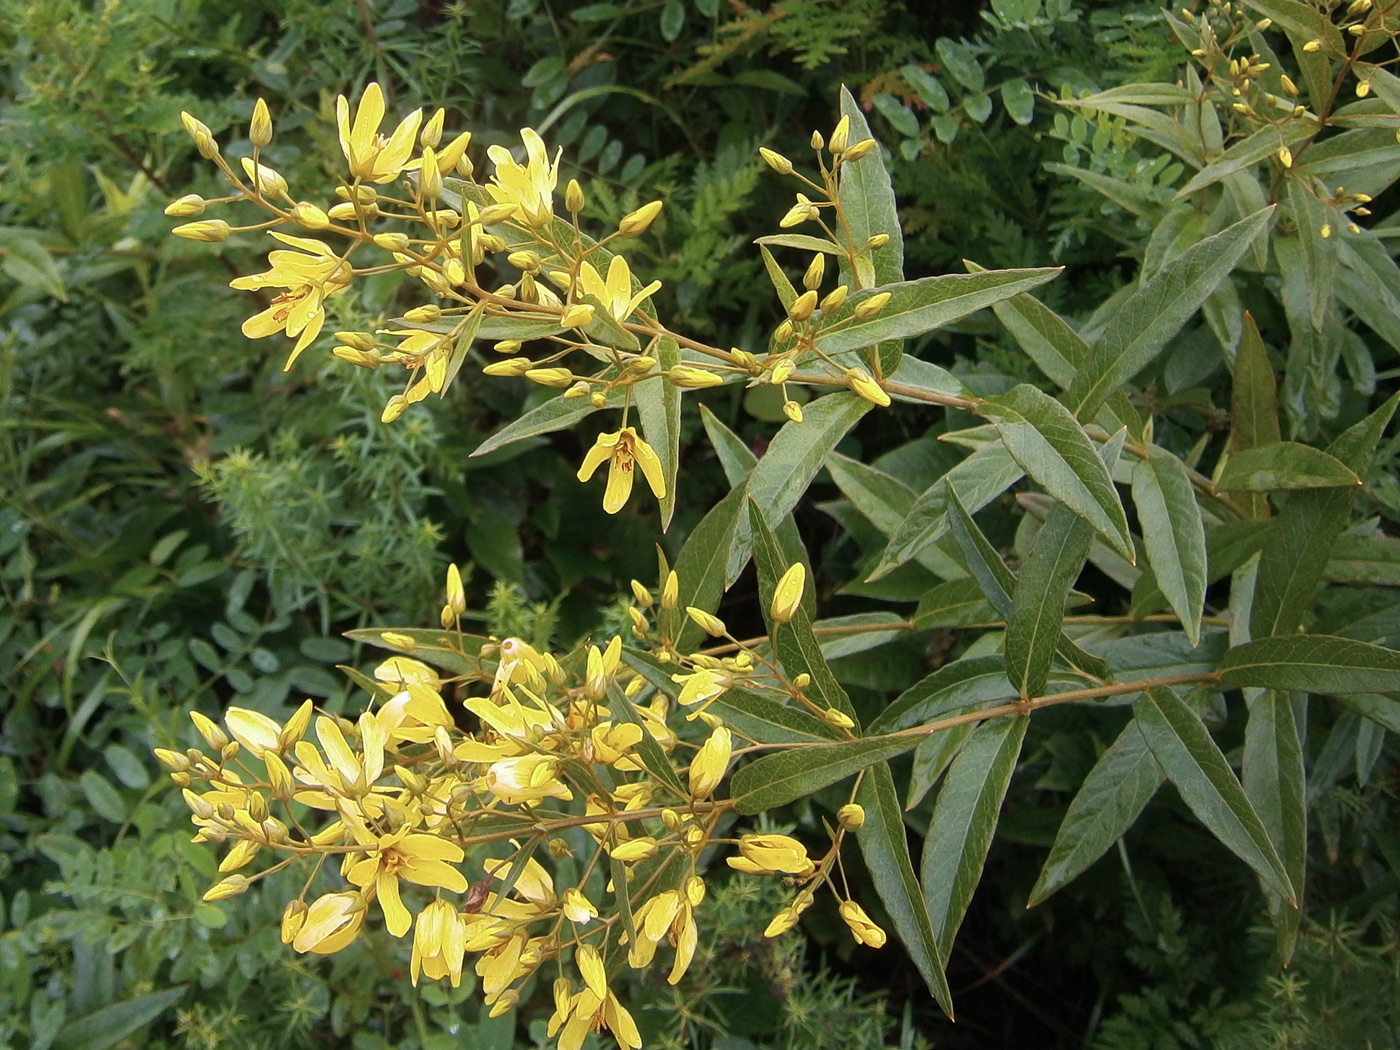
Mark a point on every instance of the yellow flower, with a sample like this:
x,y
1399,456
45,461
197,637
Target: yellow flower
x,y
787,596
526,778
371,156
616,292
771,854
586,1012
529,187
578,908
439,943
309,280
787,918
700,688
424,859
851,816
331,922
625,449
708,766
862,929
253,729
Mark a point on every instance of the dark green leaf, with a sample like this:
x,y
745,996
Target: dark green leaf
x,y
1273,777
1313,663
1173,534
1284,466
647,749
110,1025
777,779
962,683
1038,603
768,721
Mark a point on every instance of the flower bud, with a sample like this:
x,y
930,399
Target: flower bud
x,y
784,332
264,179
425,314
577,316
708,622
431,134
816,140
835,299
802,307
396,406
598,399
862,929
1285,156
210,730
787,595
573,197
693,378
868,308
636,222
230,886
524,260
310,216
295,727
812,279
840,136
429,177
878,240
793,411
1289,88
1313,46
782,371
209,230
515,366
260,127
188,206
775,160
555,377
859,150
802,681
203,137
860,381
670,591
851,816
293,917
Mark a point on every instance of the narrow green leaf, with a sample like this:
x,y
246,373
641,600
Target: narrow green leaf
x,y
922,306
1373,559
1046,337
885,847
796,645
962,683
1313,663
801,241
1156,312
658,402
787,294
1246,153
882,498
954,603
964,821
111,1024
1173,534
1183,746
933,757
1120,785
983,562
1319,253
700,568
648,750
1383,710
777,779
1038,603
1254,395
558,413
769,722
1044,438
1274,778
1286,466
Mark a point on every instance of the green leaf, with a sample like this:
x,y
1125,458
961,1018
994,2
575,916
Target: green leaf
x,y
928,87
1044,438
25,260
1046,337
795,643
449,650
922,306
105,800
1246,153
933,757
1120,785
867,199
648,750
1183,746
1313,663
1038,603
961,62
1019,100
558,413
1253,404
964,821
1383,710
777,779
1173,534
1319,253
768,721
111,1024
803,242
963,683
1285,466
1273,777
787,294
701,566
979,479
1156,312
983,562
954,603
1373,559
885,847
884,499
899,116
658,403
1296,555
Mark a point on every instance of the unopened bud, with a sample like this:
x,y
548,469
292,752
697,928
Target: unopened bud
x,y
634,223
425,314
775,160
851,816
812,279
188,206
580,389
840,136
293,917
209,230
1285,156
708,622
515,366
431,134
868,308
524,260
229,886
835,299
859,150
598,399
310,216
802,306
555,377
670,592
429,176
1313,46
817,141
877,241
802,681
1289,88
793,411
787,595
782,371
260,127
573,197
693,378
577,316
784,332
860,381
832,717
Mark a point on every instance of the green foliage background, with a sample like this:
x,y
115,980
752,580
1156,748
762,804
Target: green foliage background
x,y
183,524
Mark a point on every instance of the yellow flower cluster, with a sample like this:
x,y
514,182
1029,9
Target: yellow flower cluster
x,y
411,202
569,756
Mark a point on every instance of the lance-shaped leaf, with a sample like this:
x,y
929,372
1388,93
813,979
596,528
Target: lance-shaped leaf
x,y
767,721
700,568
1120,785
1045,439
777,779
1296,555
953,603
925,305
979,479
795,643
1313,663
1245,153
1173,534
881,497
964,821
1191,759
1156,312
1372,559
1046,337
1383,710
1274,778
1253,404
1319,252
962,683
658,403
885,847
1285,466
933,757
787,294
558,413
1038,603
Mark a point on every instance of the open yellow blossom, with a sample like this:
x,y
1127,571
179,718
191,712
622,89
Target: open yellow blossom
x,y
710,762
625,449
616,292
704,685
330,923
529,186
586,1012
439,943
371,156
862,929
424,859
770,855
310,279
578,908
526,778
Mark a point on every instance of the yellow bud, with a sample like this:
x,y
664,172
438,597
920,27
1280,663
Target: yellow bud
x,y
210,730
634,850
524,260
802,681
404,643
840,136
555,377
1312,46
362,358
495,213
832,717
775,160
812,279
868,308
173,759
1357,30
358,340
391,242
693,378
1285,156
793,411
573,197
577,316
310,216
860,381
787,595
877,241
429,177
709,623
210,230
456,593
186,207
431,134
1326,230
231,886
782,371
598,399
670,591
634,223
784,332
851,816
396,406
817,141
1289,88
1263,24
802,306
203,137
835,299
639,366
293,918
264,179
260,127
515,366
1363,88
580,389
859,150
642,595
425,314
